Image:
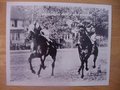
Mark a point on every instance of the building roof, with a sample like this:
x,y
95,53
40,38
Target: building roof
x,y
17,13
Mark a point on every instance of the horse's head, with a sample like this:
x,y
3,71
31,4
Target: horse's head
x,y
82,30
32,30
29,34
81,33
81,36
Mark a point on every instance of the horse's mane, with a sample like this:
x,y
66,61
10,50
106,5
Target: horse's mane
x,y
41,40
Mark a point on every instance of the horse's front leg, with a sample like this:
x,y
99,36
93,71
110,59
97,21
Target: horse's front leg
x,y
42,58
42,61
82,71
82,58
86,61
81,68
30,62
39,70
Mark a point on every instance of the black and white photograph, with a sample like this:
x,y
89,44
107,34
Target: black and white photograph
x,y
58,44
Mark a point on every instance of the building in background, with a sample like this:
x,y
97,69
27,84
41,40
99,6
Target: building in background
x,y
17,31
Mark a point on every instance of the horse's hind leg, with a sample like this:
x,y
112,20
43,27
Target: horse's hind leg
x,y
53,65
39,70
80,68
95,58
30,62
95,53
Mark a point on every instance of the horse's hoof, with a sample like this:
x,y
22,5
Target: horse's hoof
x,y
78,72
87,69
52,74
33,72
94,66
38,75
82,76
44,67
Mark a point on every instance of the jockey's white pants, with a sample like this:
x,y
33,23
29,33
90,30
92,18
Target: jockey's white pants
x,y
32,46
93,38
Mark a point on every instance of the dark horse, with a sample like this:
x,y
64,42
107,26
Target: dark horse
x,y
42,51
85,49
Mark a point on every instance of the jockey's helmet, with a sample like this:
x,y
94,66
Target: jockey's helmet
x,y
87,23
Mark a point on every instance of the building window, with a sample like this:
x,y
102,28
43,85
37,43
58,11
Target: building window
x,y
15,23
12,36
18,36
20,23
12,23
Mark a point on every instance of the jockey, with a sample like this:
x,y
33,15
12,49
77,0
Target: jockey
x,y
46,34
37,28
90,29
33,27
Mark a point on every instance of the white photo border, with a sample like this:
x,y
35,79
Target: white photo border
x,y
8,72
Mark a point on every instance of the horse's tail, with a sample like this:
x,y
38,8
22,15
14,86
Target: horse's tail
x,y
55,44
59,44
